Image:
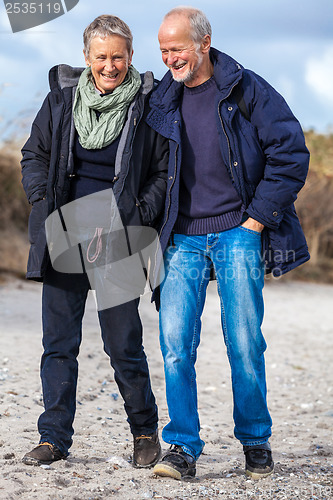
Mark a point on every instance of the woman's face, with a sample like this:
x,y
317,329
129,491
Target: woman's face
x,y
109,61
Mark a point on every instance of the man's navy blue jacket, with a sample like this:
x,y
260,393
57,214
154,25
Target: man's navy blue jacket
x,y
266,156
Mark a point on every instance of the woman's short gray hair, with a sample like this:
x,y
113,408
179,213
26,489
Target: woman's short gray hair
x,y
107,25
200,26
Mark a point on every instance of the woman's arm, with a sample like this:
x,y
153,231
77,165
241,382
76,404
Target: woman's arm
x,y
36,155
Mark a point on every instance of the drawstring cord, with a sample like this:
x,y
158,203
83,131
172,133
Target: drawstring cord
x,y
98,234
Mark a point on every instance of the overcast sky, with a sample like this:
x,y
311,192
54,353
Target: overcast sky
x,y
287,42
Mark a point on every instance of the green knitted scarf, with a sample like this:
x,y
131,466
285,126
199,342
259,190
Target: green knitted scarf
x,y
97,133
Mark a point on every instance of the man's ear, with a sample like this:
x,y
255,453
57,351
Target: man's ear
x,y
205,44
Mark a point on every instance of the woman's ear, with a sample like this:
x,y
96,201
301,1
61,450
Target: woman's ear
x,y
130,58
86,59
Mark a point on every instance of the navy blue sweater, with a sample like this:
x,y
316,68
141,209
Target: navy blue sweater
x,y
208,201
94,169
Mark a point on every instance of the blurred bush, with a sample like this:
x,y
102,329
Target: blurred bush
x,y
14,208
315,208
14,212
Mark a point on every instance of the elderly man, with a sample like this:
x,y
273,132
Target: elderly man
x,y
237,161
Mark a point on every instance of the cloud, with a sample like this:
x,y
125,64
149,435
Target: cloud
x,y
66,44
319,75
4,22
286,86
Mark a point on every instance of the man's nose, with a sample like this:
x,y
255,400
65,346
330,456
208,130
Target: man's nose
x,y
171,59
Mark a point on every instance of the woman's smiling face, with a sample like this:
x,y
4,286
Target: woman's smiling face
x,y
109,61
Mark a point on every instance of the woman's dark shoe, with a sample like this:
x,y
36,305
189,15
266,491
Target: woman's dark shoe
x,y
258,463
176,463
147,450
43,454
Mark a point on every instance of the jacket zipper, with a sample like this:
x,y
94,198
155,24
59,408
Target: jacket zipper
x,y
223,128
136,121
169,199
169,191
58,160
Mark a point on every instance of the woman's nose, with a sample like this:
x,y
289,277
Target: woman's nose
x,y
108,65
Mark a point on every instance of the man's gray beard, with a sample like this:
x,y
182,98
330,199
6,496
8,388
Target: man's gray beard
x,y
185,78
191,72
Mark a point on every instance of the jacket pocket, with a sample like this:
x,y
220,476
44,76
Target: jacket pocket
x,y
145,215
37,219
251,153
285,247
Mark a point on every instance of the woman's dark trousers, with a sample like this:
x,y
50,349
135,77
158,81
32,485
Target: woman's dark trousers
x,y
63,304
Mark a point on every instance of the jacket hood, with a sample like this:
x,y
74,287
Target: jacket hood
x,y
227,73
63,76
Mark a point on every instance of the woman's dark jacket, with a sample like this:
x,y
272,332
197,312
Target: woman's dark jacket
x,y
266,156
47,163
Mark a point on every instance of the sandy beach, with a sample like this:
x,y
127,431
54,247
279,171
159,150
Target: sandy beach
x,y
298,329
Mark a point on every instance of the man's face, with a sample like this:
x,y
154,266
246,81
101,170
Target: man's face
x,y
179,52
109,61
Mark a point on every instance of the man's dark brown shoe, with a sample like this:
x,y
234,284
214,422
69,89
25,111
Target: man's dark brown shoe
x,y
147,450
43,454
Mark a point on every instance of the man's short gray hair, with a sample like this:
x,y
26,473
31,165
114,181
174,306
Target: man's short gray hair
x,y
107,25
200,26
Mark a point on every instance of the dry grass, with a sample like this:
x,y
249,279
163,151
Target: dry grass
x,y
14,208
14,213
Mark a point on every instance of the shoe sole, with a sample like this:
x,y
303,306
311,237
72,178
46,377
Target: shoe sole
x,y
258,475
33,461
166,471
36,462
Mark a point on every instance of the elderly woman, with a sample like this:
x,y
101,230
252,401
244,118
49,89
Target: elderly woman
x,y
89,136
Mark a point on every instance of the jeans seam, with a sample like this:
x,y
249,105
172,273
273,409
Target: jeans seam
x,y
224,322
216,242
196,317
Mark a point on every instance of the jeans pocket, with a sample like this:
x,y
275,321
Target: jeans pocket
x,y
250,231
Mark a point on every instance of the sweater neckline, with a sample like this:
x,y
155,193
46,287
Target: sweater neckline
x,y
200,88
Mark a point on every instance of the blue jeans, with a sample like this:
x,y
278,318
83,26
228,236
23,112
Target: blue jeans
x,y
64,299
237,260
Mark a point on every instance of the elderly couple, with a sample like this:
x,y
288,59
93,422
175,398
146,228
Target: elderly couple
x,y
213,158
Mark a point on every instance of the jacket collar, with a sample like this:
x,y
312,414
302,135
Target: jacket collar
x,y
227,73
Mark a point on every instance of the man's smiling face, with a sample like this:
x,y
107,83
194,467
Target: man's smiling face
x,y
179,52
109,61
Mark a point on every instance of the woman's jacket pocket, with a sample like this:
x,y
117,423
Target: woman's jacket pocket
x,y
37,218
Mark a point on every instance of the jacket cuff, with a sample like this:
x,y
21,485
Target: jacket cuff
x,y
270,216
36,197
